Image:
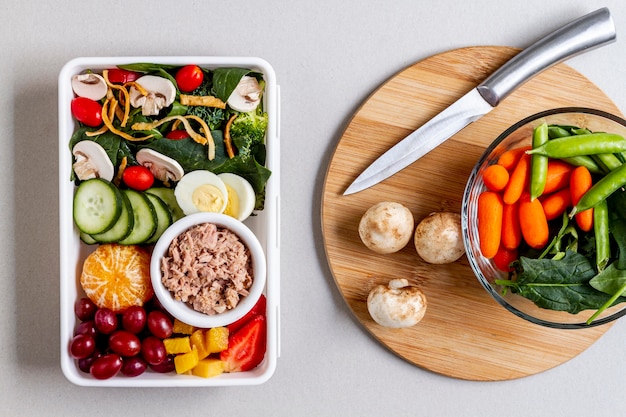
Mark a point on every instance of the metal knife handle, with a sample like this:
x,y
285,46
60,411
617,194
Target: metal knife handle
x,y
583,34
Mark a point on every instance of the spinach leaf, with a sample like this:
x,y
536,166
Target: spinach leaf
x,y
226,79
146,67
561,285
609,281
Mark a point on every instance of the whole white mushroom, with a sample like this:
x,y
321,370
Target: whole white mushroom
x,y
397,304
386,227
438,238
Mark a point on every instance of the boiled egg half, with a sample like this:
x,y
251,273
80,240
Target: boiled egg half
x,y
201,191
241,196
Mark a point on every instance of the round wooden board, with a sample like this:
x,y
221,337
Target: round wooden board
x,y
465,333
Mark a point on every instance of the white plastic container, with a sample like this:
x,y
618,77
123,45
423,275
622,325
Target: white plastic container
x,y
265,225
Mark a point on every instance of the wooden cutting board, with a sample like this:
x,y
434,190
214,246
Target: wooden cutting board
x,y
465,333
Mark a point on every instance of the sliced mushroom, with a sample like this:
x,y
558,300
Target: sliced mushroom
x,y
159,93
163,167
246,96
92,161
90,85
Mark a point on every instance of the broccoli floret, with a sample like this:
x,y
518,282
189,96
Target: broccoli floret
x,y
248,130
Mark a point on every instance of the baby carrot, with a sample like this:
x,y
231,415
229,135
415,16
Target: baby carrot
x,y
533,222
580,183
558,175
518,181
495,177
490,208
504,257
509,158
555,204
511,231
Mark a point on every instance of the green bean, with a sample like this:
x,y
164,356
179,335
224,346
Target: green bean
x,y
586,161
588,144
601,190
539,163
555,131
607,161
601,231
580,131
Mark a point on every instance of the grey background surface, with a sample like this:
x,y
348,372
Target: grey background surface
x,y
329,56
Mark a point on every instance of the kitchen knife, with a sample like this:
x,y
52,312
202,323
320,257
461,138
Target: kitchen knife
x,y
583,34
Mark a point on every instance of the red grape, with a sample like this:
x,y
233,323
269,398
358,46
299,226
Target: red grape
x,y
84,364
106,321
85,309
160,324
124,343
86,327
166,366
106,366
153,350
82,346
134,366
134,319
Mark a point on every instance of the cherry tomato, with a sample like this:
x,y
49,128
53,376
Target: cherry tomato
x,y
177,134
121,76
106,366
124,343
87,111
189,78
138,177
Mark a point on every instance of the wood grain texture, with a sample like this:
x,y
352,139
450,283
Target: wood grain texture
x,y
465,333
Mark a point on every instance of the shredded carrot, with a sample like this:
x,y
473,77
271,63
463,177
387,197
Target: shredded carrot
x,y
509,158
495,177
490,208
511,229
108,122
205,139
228,143
580,183
533,222
518,181
124,98
120,172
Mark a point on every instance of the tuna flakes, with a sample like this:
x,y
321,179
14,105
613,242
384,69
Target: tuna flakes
x,y
207,267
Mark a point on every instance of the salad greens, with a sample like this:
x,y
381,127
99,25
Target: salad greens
x,y
247,133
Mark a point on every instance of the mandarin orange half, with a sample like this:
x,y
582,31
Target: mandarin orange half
x,y
117,276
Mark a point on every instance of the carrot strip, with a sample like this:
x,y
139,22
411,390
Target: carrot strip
x,y
559,173
511,230
533,222
518,181
490,208
555,204
504,257
495,177
510,158
580,183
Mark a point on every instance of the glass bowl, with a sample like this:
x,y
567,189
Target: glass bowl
x,y
518,135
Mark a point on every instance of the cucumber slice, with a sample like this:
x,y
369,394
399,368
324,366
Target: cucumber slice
x,y
122,227
87,239
144,218
97,206
168,197
164,217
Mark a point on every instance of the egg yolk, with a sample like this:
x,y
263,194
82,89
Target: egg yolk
x,y
232,205
208,197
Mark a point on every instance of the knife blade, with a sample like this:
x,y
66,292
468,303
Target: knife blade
x,y
588,32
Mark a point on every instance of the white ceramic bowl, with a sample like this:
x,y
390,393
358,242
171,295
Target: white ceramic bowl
x,y
183,311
